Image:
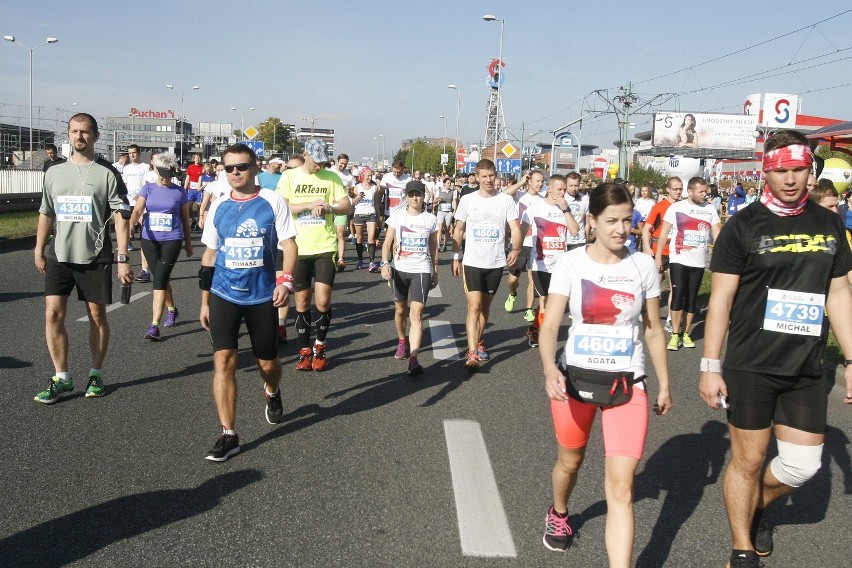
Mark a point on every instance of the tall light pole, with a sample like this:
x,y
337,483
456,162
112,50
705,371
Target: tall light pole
x,y
490,18
458,114
132,126
182,117
382,138
242,120
45,42
445,133
376,138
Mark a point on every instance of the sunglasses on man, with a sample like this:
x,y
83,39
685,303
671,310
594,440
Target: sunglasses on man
x,y
239,167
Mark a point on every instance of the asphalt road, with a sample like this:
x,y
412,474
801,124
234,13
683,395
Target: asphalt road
x,y
358,473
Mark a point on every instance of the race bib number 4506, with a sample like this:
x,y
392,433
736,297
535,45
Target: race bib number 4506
x,y
487,233
74,208
799,313
243,253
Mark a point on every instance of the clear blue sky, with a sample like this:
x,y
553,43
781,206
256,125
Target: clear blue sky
x,y
383,67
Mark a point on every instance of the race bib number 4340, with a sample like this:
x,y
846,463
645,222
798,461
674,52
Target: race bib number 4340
x,y
799,313
74,208
243,253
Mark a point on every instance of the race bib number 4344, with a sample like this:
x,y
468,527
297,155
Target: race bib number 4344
x,y
243,253
798,313
74,208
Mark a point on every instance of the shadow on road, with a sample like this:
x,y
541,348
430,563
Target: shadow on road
x,y
75,536
682,467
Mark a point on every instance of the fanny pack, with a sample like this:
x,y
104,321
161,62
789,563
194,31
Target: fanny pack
x,y
601,388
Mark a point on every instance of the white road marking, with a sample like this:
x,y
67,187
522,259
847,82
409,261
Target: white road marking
x,y
483,527
117,305
436,292
443,342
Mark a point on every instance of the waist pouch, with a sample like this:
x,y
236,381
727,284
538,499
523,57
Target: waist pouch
x,y
601,388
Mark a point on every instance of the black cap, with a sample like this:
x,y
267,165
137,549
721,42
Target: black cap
x,y
415,185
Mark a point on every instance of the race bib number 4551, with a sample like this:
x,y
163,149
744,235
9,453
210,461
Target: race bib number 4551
x,y
74,208
799,313
243,253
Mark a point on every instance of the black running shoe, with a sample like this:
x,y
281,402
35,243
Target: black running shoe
x,y
761,535
274,408
226,446
558,534
745,559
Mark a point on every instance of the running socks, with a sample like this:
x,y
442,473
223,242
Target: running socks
x,y
303,328
359,250
371,251
323,321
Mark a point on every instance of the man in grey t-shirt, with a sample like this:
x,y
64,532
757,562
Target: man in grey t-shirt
x,y
78,199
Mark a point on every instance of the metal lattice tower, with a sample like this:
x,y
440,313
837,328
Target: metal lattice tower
x,y
495,123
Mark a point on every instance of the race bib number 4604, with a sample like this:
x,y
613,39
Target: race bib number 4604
x,y
799,313
74,208
605,347
243,253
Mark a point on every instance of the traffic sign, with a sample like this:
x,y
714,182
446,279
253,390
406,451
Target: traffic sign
x,y
505,166
445,159
257,146
566,140
509,150
251,132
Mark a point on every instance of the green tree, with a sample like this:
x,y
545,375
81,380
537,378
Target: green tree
x,y
826,152
276,136
641,175
425,157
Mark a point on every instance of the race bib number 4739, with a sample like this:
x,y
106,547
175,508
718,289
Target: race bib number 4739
x,y
798,313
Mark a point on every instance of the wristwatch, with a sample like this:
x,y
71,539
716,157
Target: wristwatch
x,y
122,259
383,264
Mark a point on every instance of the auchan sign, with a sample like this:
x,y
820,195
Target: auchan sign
x,y
151,113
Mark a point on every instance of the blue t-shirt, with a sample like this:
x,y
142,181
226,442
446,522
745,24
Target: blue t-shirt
x,y
268,180
634,224
245,235
162,220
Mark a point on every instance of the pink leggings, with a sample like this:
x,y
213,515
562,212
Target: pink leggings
x,y
624,427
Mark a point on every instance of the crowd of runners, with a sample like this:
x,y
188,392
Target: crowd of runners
x,y
598,253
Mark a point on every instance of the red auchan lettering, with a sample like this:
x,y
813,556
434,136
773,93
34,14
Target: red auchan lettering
x,y
151,113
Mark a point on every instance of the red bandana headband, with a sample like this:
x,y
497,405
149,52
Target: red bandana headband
x,y
786,157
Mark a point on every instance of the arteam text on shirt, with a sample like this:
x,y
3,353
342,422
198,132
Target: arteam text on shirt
x,y
309,188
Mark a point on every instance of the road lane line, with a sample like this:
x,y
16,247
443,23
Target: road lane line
x,y
117,305
443,342
436,292
483,527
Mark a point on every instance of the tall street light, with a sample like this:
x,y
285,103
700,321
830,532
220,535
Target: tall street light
x,y
242,120
376,138
182,117
445,133
45,42
490,18
458,114
382,138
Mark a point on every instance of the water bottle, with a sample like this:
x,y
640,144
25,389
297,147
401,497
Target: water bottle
x,y
125,293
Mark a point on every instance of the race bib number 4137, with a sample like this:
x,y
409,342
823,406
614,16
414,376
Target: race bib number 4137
x,y
243,253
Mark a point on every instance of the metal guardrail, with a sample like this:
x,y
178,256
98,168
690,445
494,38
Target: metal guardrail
x,y
20,190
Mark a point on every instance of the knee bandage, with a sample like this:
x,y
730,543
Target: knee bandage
x,y
796,464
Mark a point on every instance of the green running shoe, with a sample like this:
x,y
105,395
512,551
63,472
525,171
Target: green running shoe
x,y
529,315
56,389
95,387
687,341
510,302
674,343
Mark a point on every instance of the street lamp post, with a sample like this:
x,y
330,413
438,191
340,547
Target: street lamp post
x,y
47,41
132,126
382,138
445,133
242,120
376,138
182,117
490,18
458,114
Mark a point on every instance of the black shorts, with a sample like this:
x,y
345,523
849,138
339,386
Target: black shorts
x,y
541,283
411,286
364,219
666,264
757,401
93,281
574,246
318,267
523,262
485,280
161,257
261,323
686,281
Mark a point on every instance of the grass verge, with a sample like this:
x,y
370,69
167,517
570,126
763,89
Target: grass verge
x,y
18,224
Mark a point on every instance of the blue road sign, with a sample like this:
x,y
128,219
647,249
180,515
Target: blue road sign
x,y
256,145
468,167
505,166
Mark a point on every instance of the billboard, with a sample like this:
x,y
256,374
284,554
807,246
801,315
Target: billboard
x,y
712,131
773,110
